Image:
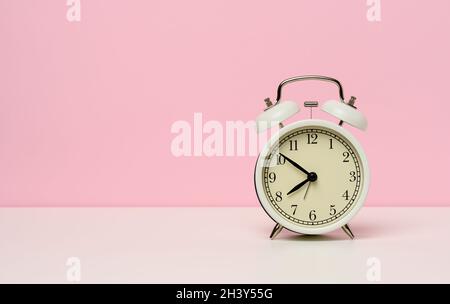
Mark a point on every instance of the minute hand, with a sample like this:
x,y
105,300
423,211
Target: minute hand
x,y
295,164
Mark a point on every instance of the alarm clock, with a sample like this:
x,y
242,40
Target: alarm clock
x,y
312,176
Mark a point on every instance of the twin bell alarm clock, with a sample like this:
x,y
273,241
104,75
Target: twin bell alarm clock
x,y
312,176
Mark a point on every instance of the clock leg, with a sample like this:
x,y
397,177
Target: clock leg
x,y
348,231
276,230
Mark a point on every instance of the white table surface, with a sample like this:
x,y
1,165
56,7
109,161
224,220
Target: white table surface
x,y
219,245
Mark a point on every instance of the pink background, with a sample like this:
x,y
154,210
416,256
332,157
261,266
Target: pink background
x,y
86,108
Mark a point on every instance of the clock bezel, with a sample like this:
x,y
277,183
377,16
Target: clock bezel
x,y
278,218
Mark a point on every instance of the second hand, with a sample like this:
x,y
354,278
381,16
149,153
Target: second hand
x,y
306,191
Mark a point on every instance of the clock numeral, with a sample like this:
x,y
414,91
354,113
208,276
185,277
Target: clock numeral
x,y
346,156
312,215
331,143
295,208
332,210
281,160
278,197
345,195
312,139
272,177
293,145
352,176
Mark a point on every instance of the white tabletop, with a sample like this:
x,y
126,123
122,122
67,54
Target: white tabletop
x,y
218,245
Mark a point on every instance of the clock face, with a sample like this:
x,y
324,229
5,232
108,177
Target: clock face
x,y
312,176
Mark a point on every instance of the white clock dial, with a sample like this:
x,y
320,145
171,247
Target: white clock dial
x,y
313,178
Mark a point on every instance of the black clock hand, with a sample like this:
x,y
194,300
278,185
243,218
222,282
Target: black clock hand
x,y
295,164
298,186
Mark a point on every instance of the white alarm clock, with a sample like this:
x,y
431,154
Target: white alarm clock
x,y
312,176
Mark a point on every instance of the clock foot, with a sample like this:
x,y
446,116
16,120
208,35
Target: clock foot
x,y
276,230
348,231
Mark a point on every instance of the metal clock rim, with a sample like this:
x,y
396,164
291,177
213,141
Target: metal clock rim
x,y
278,218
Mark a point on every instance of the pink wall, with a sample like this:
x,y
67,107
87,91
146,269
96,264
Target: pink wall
x,y
86,107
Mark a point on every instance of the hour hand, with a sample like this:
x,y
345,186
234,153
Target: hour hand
x,y
298,186
295,164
